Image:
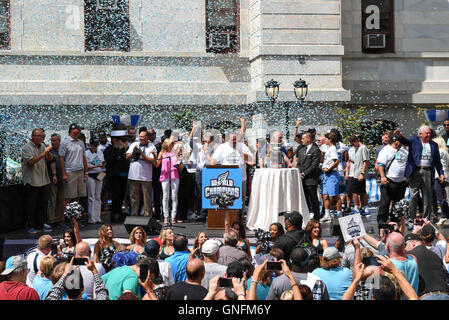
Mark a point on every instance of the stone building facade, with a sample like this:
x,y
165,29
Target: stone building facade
x,y
60,56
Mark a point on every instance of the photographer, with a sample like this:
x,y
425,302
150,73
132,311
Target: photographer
x,y
141,154
265,239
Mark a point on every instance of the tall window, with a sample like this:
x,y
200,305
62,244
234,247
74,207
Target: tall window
x,y
377,26
5,30
106,25
222,26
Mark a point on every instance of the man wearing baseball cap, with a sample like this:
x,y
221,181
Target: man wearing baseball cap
x,y
210,250
294,235
14,287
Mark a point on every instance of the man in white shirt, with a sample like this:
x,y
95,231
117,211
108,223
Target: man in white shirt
x,y
210,250
232,153
391,163
141,154
34,258
82,250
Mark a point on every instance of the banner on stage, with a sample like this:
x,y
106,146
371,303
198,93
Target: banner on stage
x,y
221,180
352,227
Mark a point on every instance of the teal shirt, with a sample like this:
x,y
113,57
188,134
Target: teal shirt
x,y
120,279
410,268
337,280
42,286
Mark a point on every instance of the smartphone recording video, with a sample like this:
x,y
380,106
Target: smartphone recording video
x,y
79,261
143,272
274,266
225,283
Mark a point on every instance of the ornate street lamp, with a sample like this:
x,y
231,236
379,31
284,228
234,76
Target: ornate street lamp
x,y
272,90
301,88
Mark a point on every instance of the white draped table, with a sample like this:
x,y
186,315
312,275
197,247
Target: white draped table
x,y
274,191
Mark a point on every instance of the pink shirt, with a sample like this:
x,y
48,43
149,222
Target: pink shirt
x,y
165,167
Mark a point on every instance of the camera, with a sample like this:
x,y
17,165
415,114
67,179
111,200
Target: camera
x,y
136,154
264,240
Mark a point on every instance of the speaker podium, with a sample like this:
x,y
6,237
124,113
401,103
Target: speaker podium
x,y
215,217
151,226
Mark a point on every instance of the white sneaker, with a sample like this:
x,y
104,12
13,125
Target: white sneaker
x,y
442,222
326,218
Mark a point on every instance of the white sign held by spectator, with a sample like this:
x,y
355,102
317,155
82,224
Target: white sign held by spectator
x,y
352,227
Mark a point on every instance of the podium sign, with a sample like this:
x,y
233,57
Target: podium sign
x,y
220,180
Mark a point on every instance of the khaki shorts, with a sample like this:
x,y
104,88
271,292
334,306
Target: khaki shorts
x,y
76,186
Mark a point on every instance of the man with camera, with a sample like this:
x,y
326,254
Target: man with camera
x,y
391,163
141,154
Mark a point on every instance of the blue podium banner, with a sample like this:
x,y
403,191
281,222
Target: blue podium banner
x,y
221,180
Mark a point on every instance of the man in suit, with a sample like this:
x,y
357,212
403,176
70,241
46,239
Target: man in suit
x,y
308,162
422,161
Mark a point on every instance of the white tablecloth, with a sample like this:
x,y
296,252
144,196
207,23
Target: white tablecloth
x,y
274,191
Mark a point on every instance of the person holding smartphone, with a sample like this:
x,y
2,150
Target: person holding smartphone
x,y
126,278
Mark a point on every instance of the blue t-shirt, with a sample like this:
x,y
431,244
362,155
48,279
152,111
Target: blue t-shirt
x,y
261,291
337,281
42,286
410,268
178,262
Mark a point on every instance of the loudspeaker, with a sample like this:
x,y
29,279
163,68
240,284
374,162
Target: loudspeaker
x,y
150,226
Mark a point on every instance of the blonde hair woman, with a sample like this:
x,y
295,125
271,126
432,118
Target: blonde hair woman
x,y
42,281
167,236
138,239
439,187
169,172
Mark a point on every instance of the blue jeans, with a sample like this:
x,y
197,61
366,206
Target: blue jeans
x,y
436,296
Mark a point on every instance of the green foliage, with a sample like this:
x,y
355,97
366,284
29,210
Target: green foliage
x,y
184,118
352,121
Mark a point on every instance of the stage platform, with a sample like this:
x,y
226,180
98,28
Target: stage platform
x,y
19,241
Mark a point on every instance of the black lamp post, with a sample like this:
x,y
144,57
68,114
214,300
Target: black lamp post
x,y
301,88
272,91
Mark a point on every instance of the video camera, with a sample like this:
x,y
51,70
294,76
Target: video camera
x,y
264,240
136,154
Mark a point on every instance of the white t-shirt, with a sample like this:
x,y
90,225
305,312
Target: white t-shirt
x,y
227,155
166,272
141,170
360,155
30,264
94,159
88,279
329,157
439,248
341,148
198,156
425,156
102,147
397,167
